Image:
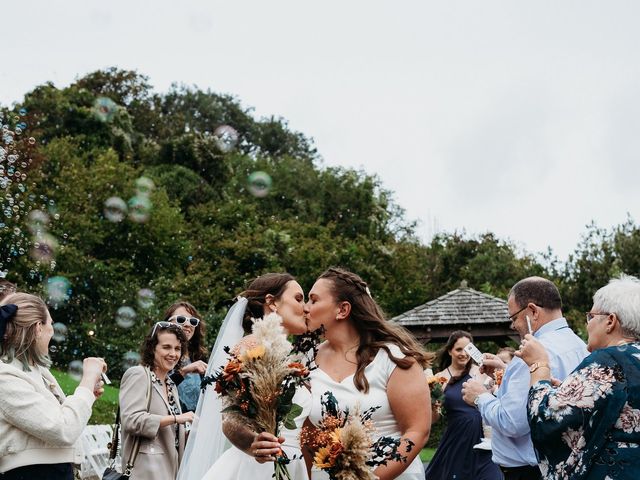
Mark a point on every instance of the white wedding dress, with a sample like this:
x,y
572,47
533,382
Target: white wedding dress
x,y
234,464
345,392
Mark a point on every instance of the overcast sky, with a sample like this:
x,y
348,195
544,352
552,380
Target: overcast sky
x,y
519,118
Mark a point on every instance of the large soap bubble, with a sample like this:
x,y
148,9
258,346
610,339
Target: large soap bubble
x,y
126,317
259,184
225,137
115,209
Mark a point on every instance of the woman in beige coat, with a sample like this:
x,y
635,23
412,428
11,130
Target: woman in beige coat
x,y
161,428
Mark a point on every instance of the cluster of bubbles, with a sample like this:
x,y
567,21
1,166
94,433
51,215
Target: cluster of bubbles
x,y
138,209
44,245
15,202
104,109
226,138
259,184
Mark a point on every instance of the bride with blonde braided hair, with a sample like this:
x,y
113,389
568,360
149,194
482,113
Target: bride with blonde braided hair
x,y
367,361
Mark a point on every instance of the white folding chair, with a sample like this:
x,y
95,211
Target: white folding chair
x,y
95,439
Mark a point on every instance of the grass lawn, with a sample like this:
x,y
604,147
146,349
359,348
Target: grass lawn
x,y
104,410
426,454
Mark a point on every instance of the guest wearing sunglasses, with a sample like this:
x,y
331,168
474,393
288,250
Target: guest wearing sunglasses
x,y
161,426
187,376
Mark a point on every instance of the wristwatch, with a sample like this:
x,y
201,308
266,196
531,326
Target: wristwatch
x,y
535,366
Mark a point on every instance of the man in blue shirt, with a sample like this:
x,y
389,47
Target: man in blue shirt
x,y
534,305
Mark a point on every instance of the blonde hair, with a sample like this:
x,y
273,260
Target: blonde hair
x,y
21,334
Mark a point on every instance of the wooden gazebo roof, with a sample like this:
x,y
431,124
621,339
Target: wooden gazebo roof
x,y
483,315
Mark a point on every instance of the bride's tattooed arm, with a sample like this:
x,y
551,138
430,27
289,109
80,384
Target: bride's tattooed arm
x,y
262,446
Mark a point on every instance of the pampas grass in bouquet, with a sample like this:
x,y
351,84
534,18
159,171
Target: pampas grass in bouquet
x,y
258,384
342,443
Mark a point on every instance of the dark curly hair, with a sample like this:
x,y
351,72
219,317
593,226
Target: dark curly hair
x,y
374,330
147,352
256,293
196,349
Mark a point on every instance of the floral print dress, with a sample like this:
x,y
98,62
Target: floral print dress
x,y
589,426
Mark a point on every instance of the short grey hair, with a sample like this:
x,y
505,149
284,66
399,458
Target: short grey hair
x,y
622,297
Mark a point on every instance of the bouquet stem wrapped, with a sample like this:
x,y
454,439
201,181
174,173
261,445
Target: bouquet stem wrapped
x,y
258,383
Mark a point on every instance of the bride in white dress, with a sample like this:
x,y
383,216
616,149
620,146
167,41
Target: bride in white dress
x,y
220,449
367,362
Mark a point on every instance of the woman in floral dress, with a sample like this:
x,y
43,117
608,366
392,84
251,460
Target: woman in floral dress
x,y
588,427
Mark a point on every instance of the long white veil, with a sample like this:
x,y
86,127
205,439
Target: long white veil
x,y
206,441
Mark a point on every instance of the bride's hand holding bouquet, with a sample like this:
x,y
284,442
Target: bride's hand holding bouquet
x,y
258,384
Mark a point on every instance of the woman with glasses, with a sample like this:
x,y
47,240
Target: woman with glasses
x,y
188,374
588,426
251,454
39,425
161,426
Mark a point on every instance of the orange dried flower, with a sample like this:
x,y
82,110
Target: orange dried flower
x,y
439,379
300,369
231,369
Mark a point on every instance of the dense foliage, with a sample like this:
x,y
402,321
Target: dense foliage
x,y
206,234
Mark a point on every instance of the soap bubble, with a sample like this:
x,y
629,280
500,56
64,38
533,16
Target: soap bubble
x,y
126,317
22,112
58,291
130,359
104,109
225,137
139,209
60,331
75,370
53,348
44,248
146,298
144,186
38,221
115,209
32,141
259,184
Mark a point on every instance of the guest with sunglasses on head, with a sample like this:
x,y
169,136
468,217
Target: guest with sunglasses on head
x,y
188,374
161,427
39,425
